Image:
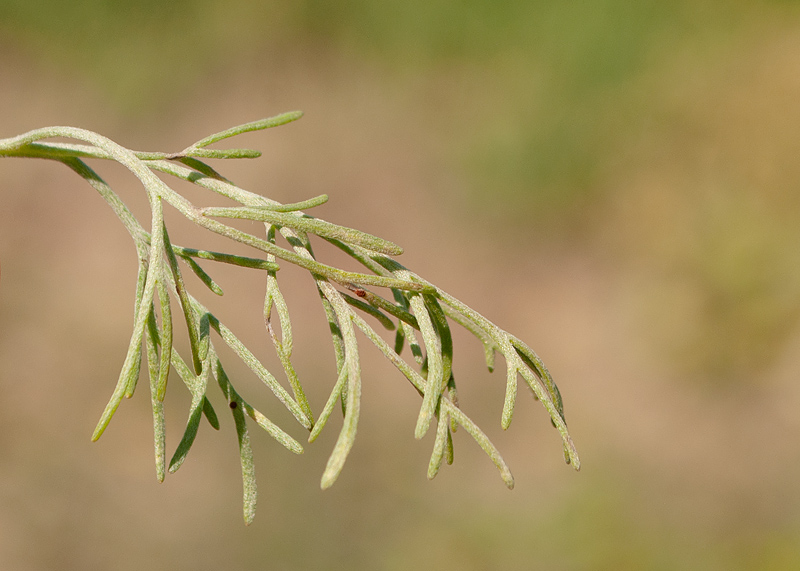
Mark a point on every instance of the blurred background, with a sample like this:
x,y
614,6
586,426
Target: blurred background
x,y
616,183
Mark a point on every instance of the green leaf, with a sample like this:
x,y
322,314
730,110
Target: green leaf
x,y
439,447
433,350
370,310
193,423
308,224
329,405
165,341
185,302
242,261
210,414
294,206
223,154
348,433
250,490
152,342
267,123
204,277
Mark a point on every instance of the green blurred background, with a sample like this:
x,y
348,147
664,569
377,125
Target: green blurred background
x,y
617,183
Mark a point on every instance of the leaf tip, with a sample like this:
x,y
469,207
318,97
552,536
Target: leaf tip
x,y
423,424
327,481
101,428
571,457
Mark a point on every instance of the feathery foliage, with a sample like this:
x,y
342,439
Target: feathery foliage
x,y
419,312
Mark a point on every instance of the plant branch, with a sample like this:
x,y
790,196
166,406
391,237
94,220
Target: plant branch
x,y
417,310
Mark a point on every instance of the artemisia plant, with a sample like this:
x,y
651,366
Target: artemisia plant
x,y
420,313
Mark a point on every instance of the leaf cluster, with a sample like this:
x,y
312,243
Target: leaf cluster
x,y
419,313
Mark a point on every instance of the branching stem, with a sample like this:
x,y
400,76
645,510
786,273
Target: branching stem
x,y
418,309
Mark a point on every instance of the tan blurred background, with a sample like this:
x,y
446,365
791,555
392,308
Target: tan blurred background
x,y
617,183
